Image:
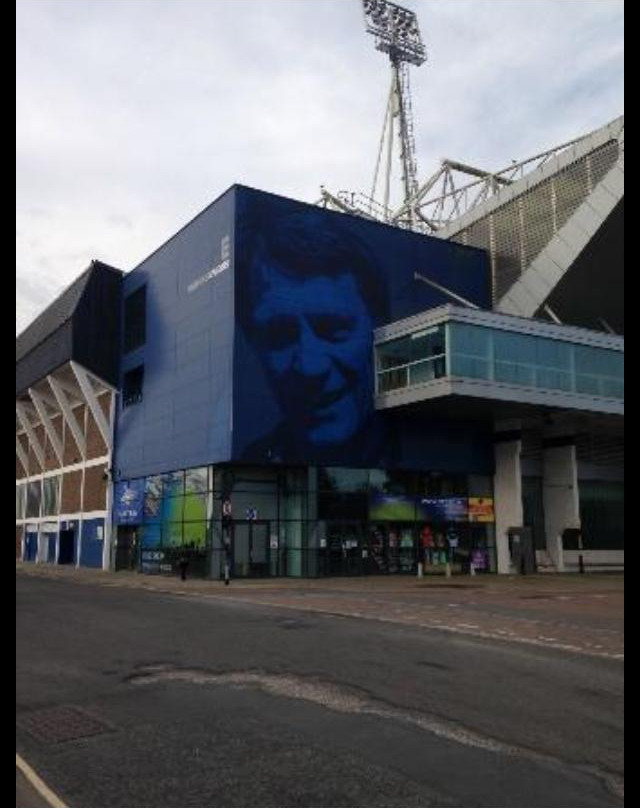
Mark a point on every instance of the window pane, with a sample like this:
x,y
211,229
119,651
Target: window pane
x,y
51,489
339,479
470,340
196,479
395,353
470,367
194,534
134,319
34,494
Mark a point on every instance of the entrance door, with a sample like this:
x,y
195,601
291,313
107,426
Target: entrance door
x,y
67,546
250,549
127,548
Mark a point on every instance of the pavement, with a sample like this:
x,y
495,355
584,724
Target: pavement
x,y
581,614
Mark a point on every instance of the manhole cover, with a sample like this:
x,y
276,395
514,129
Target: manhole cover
x,y
58,724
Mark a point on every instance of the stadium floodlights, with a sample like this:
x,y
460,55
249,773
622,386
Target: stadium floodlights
x,y
395,30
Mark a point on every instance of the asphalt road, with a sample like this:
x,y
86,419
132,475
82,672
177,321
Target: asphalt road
x,y
135,698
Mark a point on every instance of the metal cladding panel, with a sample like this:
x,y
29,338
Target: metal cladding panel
x,y
184,416
81,324
311,285
45,357
96,324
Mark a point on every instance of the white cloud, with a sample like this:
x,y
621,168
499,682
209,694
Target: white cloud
x,y
133,115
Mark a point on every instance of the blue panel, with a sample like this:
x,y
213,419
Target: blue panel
x,y
92,543
311,285
51,547
185,414
30,546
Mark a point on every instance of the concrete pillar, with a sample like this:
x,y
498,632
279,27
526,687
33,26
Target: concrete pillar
x,y
507,487
559,493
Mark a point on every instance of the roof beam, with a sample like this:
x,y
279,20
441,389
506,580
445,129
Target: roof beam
x,y
34,443
41,409
69,417
22,457
94,405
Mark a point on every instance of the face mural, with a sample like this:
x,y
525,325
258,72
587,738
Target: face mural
x,y
310,288
315,337
311,299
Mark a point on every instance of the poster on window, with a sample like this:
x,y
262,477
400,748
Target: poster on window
x,y
443,509
481,509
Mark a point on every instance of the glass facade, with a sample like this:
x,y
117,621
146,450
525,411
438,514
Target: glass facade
x,y
410,360
495,355
311,522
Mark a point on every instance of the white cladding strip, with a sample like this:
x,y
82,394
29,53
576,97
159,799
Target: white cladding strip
x,y
538,281
104,460
22,457
94,405
54,439
38,450
69,417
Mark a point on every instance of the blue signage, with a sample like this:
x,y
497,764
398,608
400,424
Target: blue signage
x,y
443,509
129,501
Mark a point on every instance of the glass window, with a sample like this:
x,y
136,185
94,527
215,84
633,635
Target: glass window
x,y
135,319
153,486
34,495
514,373
194,534
339,479
51,495
392,379
470,340
20,501
517,348
171,534
173,483
425,344
427,371
196,480
552,353
394,354
389,482
132,386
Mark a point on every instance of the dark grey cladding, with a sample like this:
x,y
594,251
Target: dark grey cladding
x,y
82,324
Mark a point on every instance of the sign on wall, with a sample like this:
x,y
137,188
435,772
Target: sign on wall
x,y
129,502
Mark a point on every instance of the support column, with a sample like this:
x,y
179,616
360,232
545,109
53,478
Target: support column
x,y
507,487
559,493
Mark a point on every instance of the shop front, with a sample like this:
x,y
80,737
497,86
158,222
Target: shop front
x,y
304,522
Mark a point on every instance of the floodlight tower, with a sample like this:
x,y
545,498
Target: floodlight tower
x,y
397,34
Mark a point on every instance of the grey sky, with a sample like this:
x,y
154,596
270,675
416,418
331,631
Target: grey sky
x,y
133,115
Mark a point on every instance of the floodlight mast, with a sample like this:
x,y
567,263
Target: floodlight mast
x,y
397,34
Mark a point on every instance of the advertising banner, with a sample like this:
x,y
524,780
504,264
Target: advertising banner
x,y
443,509
129,502
481,509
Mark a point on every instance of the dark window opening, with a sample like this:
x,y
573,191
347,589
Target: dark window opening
x,y
135,319
132,387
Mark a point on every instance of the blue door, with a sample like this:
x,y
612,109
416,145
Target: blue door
x,y
51,548
30,546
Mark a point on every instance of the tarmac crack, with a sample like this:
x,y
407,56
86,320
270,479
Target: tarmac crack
x,y
341,699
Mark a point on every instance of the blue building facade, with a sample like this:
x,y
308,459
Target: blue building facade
x,y
246,428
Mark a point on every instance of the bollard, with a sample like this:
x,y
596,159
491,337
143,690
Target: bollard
x,y
472,568
226,574
447,570
420,569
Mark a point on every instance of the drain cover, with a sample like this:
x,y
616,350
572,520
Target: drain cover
x,y
57,724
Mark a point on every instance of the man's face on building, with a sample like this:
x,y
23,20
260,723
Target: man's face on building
x,y
315,336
